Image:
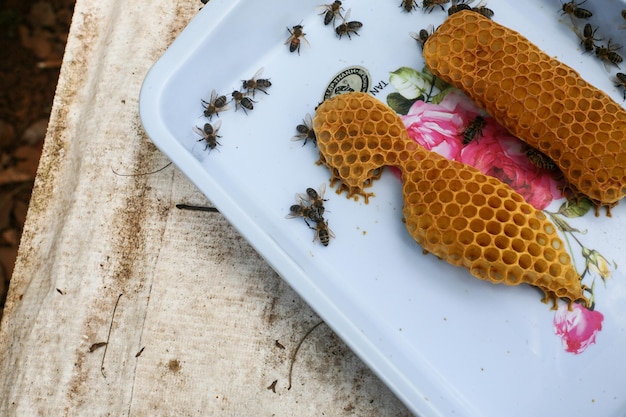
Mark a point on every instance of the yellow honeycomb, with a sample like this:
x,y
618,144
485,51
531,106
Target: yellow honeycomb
x,y
538,99
452,210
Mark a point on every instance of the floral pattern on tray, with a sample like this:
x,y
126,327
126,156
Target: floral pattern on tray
x,y
436,116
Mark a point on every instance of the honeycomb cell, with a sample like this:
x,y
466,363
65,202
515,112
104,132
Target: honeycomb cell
x,y
534,95
451,210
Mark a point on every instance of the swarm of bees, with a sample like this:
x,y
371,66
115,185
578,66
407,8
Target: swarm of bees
x,y
310,207
606,53
455,6
219,103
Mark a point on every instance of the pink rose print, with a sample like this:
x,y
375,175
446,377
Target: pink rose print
x,y
500,155
578,328
439,128
436,126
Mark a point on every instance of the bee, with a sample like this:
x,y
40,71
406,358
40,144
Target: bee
x,y
256,83
215,105
323,233
608,54
422,36
588,39
539,159
620,81
209,134
482,9
241,100
571,8
315,198
457,6
430,4
306,212
305,131
409,5
474,130
346,27
331,12
296,35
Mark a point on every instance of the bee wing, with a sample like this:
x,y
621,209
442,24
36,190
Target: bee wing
x,y
415,36
213,95
199,131
217,125
308,121
346,16
258,73
302,199
321,190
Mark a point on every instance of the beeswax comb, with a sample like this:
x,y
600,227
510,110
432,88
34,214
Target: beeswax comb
x,y
451,209
540,100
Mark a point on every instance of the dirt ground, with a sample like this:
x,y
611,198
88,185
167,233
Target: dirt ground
x,y
32,40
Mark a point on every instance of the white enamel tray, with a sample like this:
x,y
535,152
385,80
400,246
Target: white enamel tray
x,y
446,343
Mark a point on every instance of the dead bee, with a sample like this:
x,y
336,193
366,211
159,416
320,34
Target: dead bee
x,y
323,233
539,159
296,36
409,5
306,212
346,27
571,8
457,6
241,100
209,134
620,81
482,9
474,129
331,12
305,131
256,83
430,4
215,105
608,54
588,39
315,198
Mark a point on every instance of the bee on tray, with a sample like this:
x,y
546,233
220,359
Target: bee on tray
x,y
571,8
474,129
422,36
241,100
588,40
482,9
305,131
430,4
209,134
348,26
256,83
331,11
457,6
408,5
620,81
608,54
295,38
215,105
315,198
306,212
539,159
323,233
